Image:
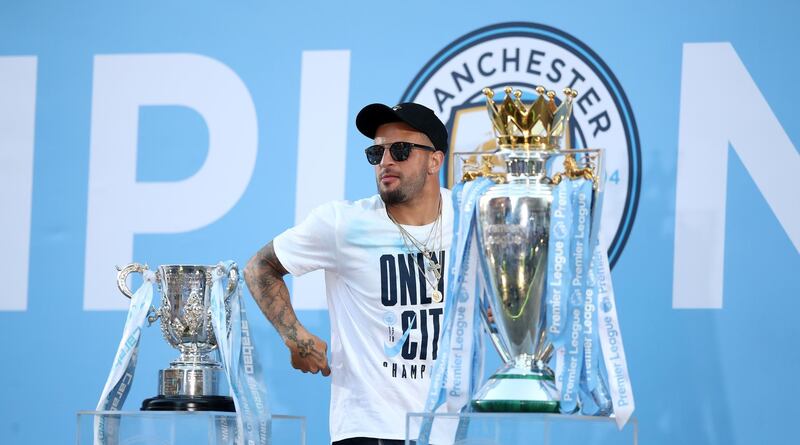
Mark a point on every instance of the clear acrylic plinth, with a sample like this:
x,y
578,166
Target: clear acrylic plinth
x,y
525,428
180,427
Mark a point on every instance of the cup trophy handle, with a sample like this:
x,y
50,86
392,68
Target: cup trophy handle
x,y
233,281
122,275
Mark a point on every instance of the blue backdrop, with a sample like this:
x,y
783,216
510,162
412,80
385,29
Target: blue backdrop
x,y
192,132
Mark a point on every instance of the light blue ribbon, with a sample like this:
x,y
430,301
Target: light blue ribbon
x,y
465,199
580,254
601,394
559,264
591,351
598,388
239,358
120,378
589,378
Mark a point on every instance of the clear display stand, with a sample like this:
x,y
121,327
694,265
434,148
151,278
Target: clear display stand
x,y
178,428
524,428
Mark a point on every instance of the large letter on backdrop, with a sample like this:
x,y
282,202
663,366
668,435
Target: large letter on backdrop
x,y
324,93
721,106
17,116
119,206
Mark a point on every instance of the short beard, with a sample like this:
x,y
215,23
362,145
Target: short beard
x,y
394,197
406,191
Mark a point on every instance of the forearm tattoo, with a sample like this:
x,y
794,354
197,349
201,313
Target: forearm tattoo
x,y
264,277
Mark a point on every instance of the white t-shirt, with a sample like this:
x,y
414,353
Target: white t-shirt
x,y
375,293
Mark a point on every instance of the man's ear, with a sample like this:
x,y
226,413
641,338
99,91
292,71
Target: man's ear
x,y
435,162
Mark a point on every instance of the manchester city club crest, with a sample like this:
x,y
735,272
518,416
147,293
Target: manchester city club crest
x,y
525,55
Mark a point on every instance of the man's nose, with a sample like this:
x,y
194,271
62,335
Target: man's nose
x,y
387,158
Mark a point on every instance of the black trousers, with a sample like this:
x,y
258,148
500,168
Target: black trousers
x,y
370,441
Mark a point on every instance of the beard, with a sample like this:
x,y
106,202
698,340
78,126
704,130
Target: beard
x,y
409,187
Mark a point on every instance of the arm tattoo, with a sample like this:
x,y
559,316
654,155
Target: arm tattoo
x,y
264,277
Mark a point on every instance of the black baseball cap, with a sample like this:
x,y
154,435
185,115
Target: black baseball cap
x,y
419,117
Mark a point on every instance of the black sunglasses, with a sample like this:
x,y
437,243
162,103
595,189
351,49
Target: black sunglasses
x,y
400,151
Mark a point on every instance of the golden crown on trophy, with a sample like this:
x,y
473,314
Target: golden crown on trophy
x,y
539,126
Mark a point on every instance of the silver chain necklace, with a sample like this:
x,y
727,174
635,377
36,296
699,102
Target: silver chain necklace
x,y
422,247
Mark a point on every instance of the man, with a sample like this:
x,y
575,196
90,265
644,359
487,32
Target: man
x,y
384,259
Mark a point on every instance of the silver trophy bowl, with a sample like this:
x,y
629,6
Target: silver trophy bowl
x,y
192,381
513,229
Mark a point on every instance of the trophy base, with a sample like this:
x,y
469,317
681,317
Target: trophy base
x,y
514,406
513,389
189,403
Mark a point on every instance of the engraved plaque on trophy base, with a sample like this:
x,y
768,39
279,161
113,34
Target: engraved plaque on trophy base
x,y
185,387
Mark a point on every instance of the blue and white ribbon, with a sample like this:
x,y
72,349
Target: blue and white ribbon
x,y
594,390
590,366
590,374
580,256
615,363
559,269
123,368
591,350
454,378
240,361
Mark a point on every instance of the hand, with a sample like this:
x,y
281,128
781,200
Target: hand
x,y
489,315
309,353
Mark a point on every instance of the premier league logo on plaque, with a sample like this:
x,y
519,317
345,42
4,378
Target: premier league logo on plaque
x,y
523,55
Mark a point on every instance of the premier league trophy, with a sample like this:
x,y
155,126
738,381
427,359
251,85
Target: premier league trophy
x,y
526,245
514,238
191,383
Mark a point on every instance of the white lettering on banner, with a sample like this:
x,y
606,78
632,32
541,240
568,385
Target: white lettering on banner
x,y
573,366
558,268
458,350
579,235
714,86
321,150
120,207
588,312
17,123
618,372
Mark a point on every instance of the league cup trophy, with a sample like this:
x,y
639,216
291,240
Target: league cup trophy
x,y
513,232
191,383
